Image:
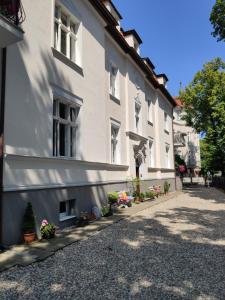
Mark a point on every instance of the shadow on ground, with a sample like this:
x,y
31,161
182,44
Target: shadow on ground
x,y
138,258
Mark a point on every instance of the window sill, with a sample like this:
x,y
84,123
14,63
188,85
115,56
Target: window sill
x,y
115,99
67,61
66,218
150,123
166,131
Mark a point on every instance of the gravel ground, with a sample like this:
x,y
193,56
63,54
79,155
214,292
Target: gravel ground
x,y
175,250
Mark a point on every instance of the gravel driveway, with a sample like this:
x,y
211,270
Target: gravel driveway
x,y
175,250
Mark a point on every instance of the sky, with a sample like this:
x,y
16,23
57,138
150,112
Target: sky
x,y
176,35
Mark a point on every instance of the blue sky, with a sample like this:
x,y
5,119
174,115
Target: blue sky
x,y
176,35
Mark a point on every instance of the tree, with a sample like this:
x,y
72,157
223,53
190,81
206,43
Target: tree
x,y
217,18
204,100
179,161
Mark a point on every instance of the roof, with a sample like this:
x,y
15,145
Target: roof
x,y
122,43
114,7
149,62
134,33
178,101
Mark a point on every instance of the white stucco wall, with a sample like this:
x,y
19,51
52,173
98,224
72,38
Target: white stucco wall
x,y
32,71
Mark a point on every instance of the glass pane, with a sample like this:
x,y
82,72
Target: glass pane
x,y
63,42
72,141
62,207
73,28
72,49
55,138
62,139
56,12
73,114
64,19
71,211
62,111
55,107
56,35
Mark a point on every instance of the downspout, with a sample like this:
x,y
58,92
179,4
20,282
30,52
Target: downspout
x,y
2,121
174,162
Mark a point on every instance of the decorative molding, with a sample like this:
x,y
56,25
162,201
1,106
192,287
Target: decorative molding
x,y
67,61
67,95
113,98
59,186
163,170
136,137
150,123
69,160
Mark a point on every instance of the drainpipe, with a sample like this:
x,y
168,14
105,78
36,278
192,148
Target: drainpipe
x,y
2,120
174,163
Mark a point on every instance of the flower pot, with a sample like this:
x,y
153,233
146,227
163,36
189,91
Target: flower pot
x,y
29,237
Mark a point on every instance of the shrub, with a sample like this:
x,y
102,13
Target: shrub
x,y
106,211
142,195
113,198
47,230
166,187
150,194
29,220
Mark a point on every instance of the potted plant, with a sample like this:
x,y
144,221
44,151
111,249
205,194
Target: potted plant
x,y
83,219
112,199
47,230
29,233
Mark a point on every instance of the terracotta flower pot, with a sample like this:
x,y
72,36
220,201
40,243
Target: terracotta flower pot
x,y
29,237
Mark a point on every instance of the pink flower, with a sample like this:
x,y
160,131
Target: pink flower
x,y
44,222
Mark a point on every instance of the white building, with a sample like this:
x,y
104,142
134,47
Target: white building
x,y
186,141
83,113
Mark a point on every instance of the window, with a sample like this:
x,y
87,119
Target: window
x,y
114,81
66,209
151,154
150,110
64,128
167,156
166,122
66,34
137,116
114,143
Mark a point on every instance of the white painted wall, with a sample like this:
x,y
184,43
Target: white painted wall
x,y
32,70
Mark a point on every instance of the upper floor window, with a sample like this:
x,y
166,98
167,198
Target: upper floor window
x,y
64,128
137,117
167,156
114,81
150,110
66,34
151,154
115,143
166,122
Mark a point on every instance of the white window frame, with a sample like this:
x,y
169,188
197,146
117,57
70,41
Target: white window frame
x,y
114,86
70,212
71,35
167,156
115,142
70,142
151,152
166,122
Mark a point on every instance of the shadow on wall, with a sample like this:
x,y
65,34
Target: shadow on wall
x,y
147,258
38,98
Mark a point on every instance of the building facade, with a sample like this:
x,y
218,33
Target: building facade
x,y
83,113
186,141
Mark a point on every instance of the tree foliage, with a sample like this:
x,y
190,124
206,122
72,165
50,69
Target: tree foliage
x,y
217,18
204,100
